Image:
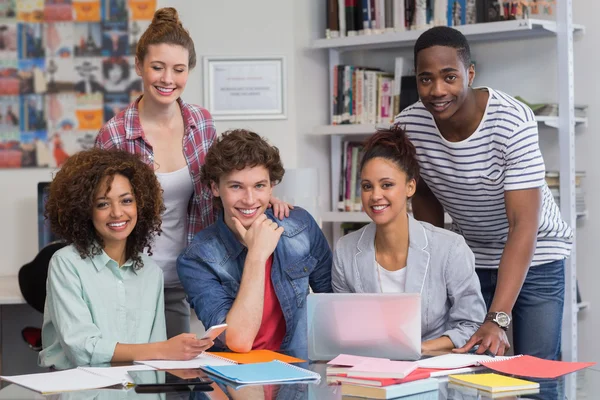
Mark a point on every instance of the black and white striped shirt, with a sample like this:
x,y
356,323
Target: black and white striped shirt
x,y
469,178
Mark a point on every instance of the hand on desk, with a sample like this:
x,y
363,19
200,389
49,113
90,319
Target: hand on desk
x,y
489,337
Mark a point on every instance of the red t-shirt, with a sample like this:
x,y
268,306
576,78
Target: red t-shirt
x,y
272,327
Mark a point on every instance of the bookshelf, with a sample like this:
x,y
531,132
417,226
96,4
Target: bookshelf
x,y
562,29
367,129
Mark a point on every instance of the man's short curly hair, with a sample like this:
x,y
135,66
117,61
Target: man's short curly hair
x,y
71,199
235,150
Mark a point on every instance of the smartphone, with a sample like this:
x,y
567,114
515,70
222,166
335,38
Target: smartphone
x,y
214,331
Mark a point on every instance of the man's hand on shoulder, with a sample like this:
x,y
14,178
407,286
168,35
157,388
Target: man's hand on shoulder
x,y
261,237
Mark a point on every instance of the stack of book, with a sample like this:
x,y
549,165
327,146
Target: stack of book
x,y
553,181
379,378
366,17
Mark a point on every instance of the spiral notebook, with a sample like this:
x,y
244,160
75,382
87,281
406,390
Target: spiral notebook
x,y
453,360
267,372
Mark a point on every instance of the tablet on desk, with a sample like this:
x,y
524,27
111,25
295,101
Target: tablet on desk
x,y
174,379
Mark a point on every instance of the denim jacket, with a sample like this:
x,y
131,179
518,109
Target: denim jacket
x,y
211,267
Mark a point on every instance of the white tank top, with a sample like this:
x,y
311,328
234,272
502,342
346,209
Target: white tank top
x,y
391,281
178,188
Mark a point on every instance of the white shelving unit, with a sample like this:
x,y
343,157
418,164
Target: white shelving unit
x,y
367,129
563,30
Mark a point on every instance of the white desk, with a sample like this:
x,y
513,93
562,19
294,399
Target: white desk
x,y
10,293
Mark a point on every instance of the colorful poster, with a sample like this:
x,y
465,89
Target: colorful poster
x,y
114,10
10,149
30,41
88,79
86,10
87,39
114,38
89,111
30,10
115,74
59,39
8,41
60,109
136,30
58,10
114,103
33,113
141,9
32,76
8,10
60,75
35,151
9,77
66,66
66,143
9,114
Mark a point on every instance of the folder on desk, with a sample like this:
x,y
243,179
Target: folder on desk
x,y
260,373
255,356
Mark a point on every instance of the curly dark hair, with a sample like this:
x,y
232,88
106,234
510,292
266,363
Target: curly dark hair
x,y
71,198
235,150
392,144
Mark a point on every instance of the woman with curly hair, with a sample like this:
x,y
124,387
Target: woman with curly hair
x,y
104,299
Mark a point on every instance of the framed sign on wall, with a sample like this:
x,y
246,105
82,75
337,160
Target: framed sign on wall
x,y
238,88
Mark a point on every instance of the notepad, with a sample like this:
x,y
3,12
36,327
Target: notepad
x,y
453,360
255,356
382,369
533,367
269,372
493,383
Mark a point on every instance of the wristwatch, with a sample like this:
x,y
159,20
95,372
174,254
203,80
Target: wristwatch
x,y
500,318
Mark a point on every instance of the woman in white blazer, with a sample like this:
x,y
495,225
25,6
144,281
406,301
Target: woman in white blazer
x,y
396,253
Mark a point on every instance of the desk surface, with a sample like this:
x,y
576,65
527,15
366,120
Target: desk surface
x,y
284,392
9,290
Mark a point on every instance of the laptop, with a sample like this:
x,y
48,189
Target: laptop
x,y
384,325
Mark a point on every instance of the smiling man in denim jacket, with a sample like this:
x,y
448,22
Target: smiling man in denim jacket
x,y
248,269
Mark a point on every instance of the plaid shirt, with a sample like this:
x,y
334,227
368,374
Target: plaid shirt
x,y
124,132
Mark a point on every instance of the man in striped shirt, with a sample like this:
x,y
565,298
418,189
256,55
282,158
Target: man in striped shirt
x,y
481,163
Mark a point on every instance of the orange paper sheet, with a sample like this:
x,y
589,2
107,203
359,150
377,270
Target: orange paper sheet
x,y
533,367
256,356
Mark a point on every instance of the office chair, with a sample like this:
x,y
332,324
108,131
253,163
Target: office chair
x,y
32,282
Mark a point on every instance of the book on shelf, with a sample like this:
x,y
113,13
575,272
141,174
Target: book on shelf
x,y
371,96
551,109
553,178
367,17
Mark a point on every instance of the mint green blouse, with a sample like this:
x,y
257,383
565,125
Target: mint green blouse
x,y
92,304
